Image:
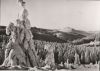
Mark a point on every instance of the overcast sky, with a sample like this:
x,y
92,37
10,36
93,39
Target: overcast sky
x,y
55,14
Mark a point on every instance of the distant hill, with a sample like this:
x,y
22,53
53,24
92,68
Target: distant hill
x,y
88,39
54,35
2,30
71,34
74,31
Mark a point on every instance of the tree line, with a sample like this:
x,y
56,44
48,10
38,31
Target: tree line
x,y
62,51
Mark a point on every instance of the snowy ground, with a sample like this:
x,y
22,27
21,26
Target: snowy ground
x,y
80,68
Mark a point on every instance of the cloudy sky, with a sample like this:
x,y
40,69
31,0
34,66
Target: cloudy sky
x,y
55,14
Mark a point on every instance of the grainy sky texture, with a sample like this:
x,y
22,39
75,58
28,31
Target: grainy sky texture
x,y
55,14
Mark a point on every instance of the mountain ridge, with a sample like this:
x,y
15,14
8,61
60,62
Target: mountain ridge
x,y
55,35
